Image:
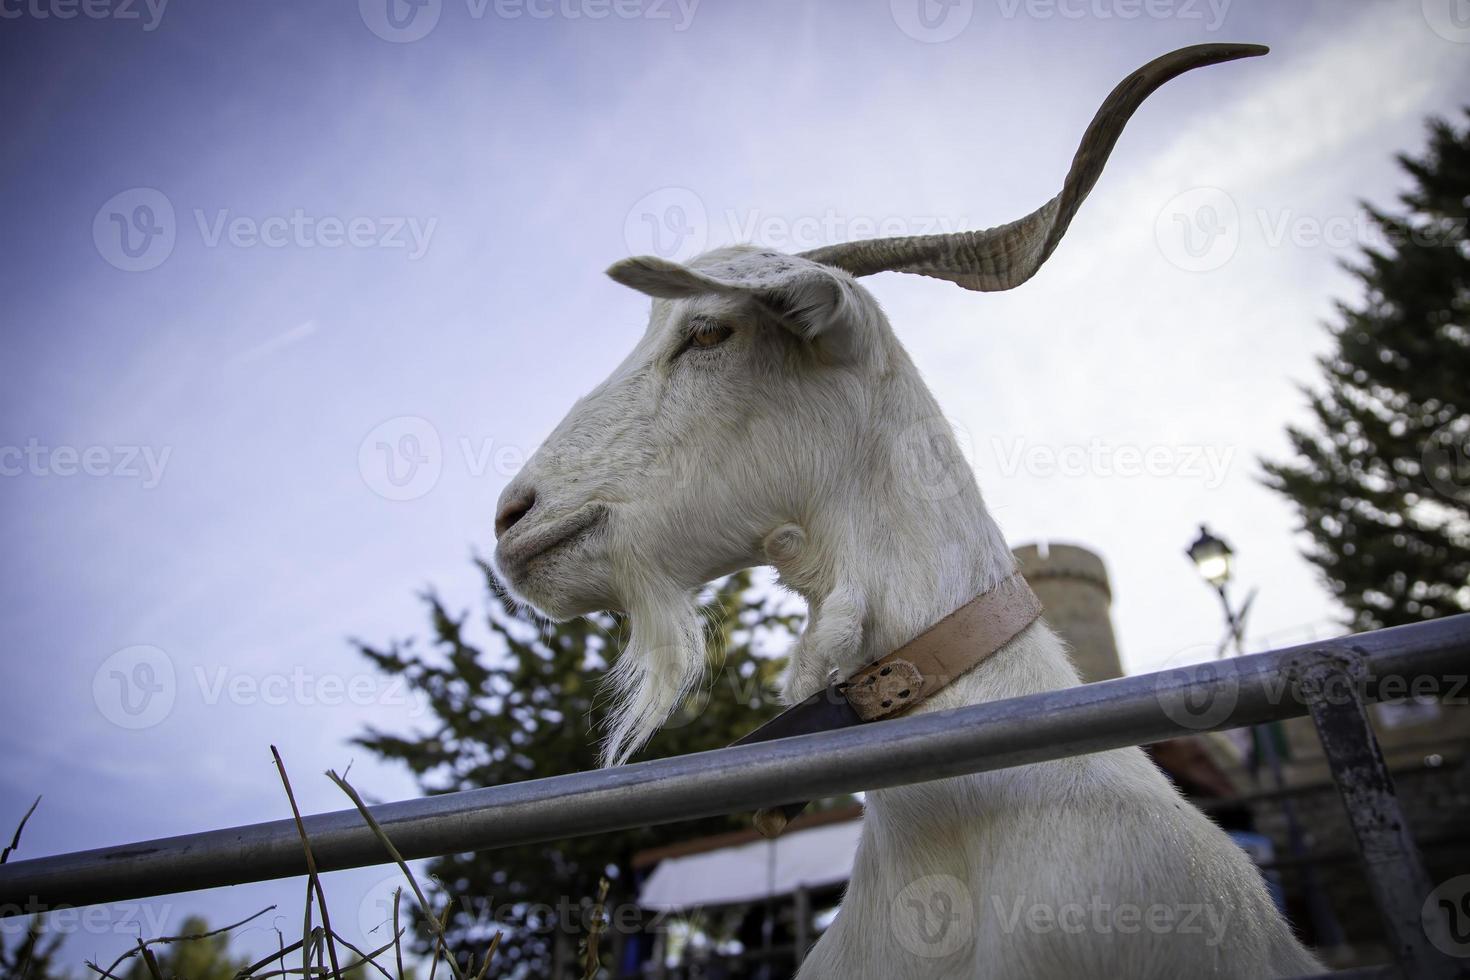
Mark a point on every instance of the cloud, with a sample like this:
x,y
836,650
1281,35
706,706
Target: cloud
x,y
278,343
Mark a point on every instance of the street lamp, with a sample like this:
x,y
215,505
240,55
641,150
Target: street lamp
x,y
1211,556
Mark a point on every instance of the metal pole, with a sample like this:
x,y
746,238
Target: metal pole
x,y
977,738
801,926
1237,628
1391,860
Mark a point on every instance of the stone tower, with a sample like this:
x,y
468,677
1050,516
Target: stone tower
x,y
1076,599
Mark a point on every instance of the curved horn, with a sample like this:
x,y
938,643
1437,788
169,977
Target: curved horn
x,y
1006,256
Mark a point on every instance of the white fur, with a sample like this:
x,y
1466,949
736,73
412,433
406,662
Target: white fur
x,y
808,441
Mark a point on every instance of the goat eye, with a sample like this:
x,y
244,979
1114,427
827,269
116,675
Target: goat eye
x,y
710,334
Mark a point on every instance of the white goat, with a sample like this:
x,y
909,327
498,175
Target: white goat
x,y
770,416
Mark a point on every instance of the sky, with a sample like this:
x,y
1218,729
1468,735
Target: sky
x,y
291,290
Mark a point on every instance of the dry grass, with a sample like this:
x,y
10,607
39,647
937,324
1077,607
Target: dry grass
x,y
318,953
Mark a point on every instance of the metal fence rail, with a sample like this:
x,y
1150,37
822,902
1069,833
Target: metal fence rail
x,y
1036,728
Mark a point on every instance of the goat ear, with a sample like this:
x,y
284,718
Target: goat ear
x,y
660,278
806,298
810,302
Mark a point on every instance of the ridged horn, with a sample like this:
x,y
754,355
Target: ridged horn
x,y
1008,255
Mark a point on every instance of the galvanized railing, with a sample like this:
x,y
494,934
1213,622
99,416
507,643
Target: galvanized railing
x,y
1332,681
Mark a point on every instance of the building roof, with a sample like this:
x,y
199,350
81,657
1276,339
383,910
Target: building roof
x,y
736,868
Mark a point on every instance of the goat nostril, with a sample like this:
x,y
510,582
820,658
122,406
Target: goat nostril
x,y
513,512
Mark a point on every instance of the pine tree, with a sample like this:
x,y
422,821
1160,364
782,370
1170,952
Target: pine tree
x,y
33,955
205,958
525,705
1382,479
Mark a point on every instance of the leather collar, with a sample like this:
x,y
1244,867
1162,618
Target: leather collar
x,y
906,677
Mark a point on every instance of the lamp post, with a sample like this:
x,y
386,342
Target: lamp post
x,y
1215,561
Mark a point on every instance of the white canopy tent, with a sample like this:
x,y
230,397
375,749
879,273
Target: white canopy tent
x,y
748,872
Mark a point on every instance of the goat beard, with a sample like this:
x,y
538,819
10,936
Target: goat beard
x,y
663,663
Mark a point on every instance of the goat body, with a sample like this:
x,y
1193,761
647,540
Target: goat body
x,y
770,416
